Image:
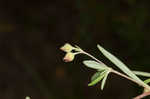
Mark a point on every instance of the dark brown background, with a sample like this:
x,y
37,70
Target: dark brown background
x,y
31,32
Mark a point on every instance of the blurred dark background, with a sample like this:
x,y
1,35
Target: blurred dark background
x,y
32,31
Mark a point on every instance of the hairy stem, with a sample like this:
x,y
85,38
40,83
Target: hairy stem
x,y
122,75
83,52
142,95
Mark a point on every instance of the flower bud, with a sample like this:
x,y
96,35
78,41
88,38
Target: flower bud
x,y
69,57
67,47
27,97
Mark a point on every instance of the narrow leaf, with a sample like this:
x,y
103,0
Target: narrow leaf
x,y
104,80
96,75
140,73
101,76
94,65
120,65
147,81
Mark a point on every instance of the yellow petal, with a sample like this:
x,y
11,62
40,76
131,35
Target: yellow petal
x,y
67,47
69,57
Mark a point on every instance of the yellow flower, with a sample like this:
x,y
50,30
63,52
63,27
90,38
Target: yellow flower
x,y
67,47
69,57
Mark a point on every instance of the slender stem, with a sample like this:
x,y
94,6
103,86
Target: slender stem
x,y
120,74
142,95
92,57
116,72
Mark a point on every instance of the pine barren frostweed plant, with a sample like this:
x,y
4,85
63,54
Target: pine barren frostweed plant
x,y
102,70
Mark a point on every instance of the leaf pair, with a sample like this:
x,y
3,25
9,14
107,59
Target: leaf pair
x,y
101,74
98,76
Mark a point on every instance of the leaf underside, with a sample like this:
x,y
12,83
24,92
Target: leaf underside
x,y
94,65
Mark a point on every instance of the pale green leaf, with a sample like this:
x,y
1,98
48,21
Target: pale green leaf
x,y
99,78
140,73
96,75
120,64
147,81
104,80
94,65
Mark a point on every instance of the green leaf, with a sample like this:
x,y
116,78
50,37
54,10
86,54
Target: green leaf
x,y
147,81
120,65
94,65
97,77
140,73
104,80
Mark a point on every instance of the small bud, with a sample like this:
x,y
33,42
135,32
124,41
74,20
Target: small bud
x,y
27,97
67,47
69,57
